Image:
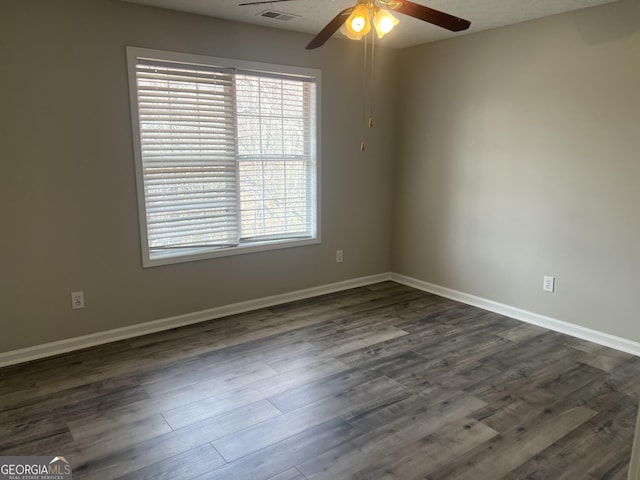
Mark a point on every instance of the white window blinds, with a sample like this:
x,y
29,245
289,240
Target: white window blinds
x,y
226,156
188,155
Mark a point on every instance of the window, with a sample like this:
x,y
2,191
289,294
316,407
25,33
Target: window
x,y
226,155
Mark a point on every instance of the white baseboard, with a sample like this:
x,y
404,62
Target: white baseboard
x,y
77,343
63,346
577,331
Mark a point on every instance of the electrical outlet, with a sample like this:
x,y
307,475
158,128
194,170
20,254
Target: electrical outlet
x,y
77,300
548,283
338,256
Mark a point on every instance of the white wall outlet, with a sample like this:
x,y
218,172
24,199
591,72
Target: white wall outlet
x,y
338,256
548,283
77,300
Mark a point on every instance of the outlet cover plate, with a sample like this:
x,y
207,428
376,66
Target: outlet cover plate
x,y
548,284
77,300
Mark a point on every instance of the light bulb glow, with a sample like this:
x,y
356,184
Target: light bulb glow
x,y
384,22
386,25
357,23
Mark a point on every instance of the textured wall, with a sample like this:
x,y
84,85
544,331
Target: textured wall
x,y
67,189
519,156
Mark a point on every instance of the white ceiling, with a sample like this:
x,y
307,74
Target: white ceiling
x,y
312,15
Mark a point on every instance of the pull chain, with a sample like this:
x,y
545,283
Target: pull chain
x,y
371,83
364,93
368,86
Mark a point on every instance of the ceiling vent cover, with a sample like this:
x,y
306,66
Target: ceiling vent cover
x,y
285,17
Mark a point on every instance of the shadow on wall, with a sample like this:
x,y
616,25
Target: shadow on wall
x,y
615,20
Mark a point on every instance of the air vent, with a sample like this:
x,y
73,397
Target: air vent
x,y
285,17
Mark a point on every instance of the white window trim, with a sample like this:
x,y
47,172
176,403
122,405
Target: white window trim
x,y
133,53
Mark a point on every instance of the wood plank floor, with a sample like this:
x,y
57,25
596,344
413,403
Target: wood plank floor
x,y
379,382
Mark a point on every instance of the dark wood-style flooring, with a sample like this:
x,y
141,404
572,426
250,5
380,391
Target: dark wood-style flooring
x,y
379,382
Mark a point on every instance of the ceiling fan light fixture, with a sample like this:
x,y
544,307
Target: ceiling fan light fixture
x,y
359,23
384,22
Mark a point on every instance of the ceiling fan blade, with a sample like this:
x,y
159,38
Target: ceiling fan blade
x,y
430,15
331,28
260,3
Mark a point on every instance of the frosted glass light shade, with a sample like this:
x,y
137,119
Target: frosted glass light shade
x,y
384,22
345,31
359,22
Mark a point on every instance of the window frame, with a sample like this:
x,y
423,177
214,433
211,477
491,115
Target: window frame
x,y
202,253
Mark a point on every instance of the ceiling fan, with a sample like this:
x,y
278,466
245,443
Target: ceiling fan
x,y
355,22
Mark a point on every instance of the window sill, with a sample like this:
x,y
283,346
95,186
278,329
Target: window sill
x,y
195,254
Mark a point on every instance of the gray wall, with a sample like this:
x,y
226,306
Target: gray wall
x,y
67,188
519,156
